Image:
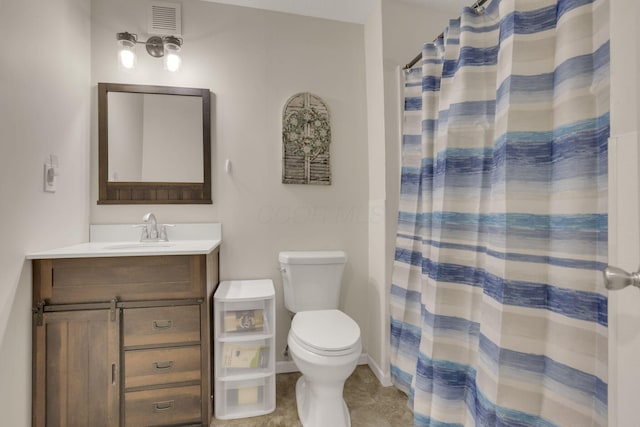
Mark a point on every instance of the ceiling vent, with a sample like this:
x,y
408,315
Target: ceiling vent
x,y
164,18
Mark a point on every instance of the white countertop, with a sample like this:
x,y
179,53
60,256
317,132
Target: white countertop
x,y
112,249
117,240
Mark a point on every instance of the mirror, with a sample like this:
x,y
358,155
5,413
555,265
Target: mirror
x,y
154,144
143,131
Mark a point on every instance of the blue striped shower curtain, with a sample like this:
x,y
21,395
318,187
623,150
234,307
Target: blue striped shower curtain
x,y
498,308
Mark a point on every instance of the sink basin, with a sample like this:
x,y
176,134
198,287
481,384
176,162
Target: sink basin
x,y
139,245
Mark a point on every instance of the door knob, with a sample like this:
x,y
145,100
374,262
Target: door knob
x,y
616,278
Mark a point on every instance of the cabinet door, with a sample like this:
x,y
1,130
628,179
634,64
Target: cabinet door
x,y
76,369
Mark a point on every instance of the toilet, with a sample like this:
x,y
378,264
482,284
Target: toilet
x,y
323,342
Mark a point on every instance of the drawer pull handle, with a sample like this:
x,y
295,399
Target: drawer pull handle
x,y
162,366
114,373
163,406
162,324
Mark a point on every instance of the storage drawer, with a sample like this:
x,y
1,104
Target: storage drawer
x,y
161,366
161,325
244,358
166,406
75,280
247,398
243,318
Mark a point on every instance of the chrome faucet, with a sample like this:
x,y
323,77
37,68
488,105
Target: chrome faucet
x,y
152,231
151,227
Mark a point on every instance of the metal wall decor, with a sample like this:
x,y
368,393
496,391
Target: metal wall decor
x,y
306,136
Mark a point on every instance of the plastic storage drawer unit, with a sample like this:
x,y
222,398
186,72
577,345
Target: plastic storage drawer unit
x,y
244,348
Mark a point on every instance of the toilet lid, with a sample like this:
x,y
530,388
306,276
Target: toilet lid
x,y
325,330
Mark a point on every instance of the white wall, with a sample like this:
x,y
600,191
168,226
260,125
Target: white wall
x,y
253,61
44,109
376,300
624,236
394,34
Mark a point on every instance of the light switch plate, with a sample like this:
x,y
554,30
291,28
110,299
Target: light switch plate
x,y
49,179
50,173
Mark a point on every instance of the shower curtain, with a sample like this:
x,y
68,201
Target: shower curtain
x,y
498,308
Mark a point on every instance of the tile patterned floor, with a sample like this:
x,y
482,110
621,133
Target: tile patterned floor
x,y
370,404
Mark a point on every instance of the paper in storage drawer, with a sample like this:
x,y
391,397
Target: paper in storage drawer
x,y
249,395
243,355
243,320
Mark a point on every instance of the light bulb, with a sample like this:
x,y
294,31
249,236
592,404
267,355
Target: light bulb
x,y
127,50
127,59
173,62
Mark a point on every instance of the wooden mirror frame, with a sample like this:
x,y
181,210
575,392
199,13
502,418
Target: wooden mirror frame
x,y
120,193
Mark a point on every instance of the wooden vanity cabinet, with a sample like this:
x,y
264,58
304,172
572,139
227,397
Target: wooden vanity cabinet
x,y
123,341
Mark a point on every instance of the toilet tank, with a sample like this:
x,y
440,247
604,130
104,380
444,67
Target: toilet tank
x,y
312,280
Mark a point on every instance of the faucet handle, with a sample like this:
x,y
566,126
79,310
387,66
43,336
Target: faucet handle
x,y
145,232
163,232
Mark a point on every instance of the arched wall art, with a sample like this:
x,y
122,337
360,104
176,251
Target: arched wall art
x,y
306,137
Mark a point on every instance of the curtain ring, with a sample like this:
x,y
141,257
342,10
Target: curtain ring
x,y
478,7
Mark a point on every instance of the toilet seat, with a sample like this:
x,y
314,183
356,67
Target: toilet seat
x,y
325,332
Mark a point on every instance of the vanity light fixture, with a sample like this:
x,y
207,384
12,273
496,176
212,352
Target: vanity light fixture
x,y
172,60
158,47
127,50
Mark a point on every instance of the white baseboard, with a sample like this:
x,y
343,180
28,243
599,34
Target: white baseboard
x,y
384,378
363,359
287,366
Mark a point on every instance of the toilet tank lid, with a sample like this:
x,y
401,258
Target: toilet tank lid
x,y
312,257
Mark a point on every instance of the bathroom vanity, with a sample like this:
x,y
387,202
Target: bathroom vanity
x,y
122,333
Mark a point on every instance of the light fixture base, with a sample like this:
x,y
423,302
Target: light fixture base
x,y
155,46
127,38
175,42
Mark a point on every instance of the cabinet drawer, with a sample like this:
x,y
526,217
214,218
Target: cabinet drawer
x,y
161,366
161,325
74,280
166,406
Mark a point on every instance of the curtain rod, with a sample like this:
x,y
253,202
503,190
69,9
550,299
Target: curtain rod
x,y
478,8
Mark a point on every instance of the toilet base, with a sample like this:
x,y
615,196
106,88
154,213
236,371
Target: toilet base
x,y
316,405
